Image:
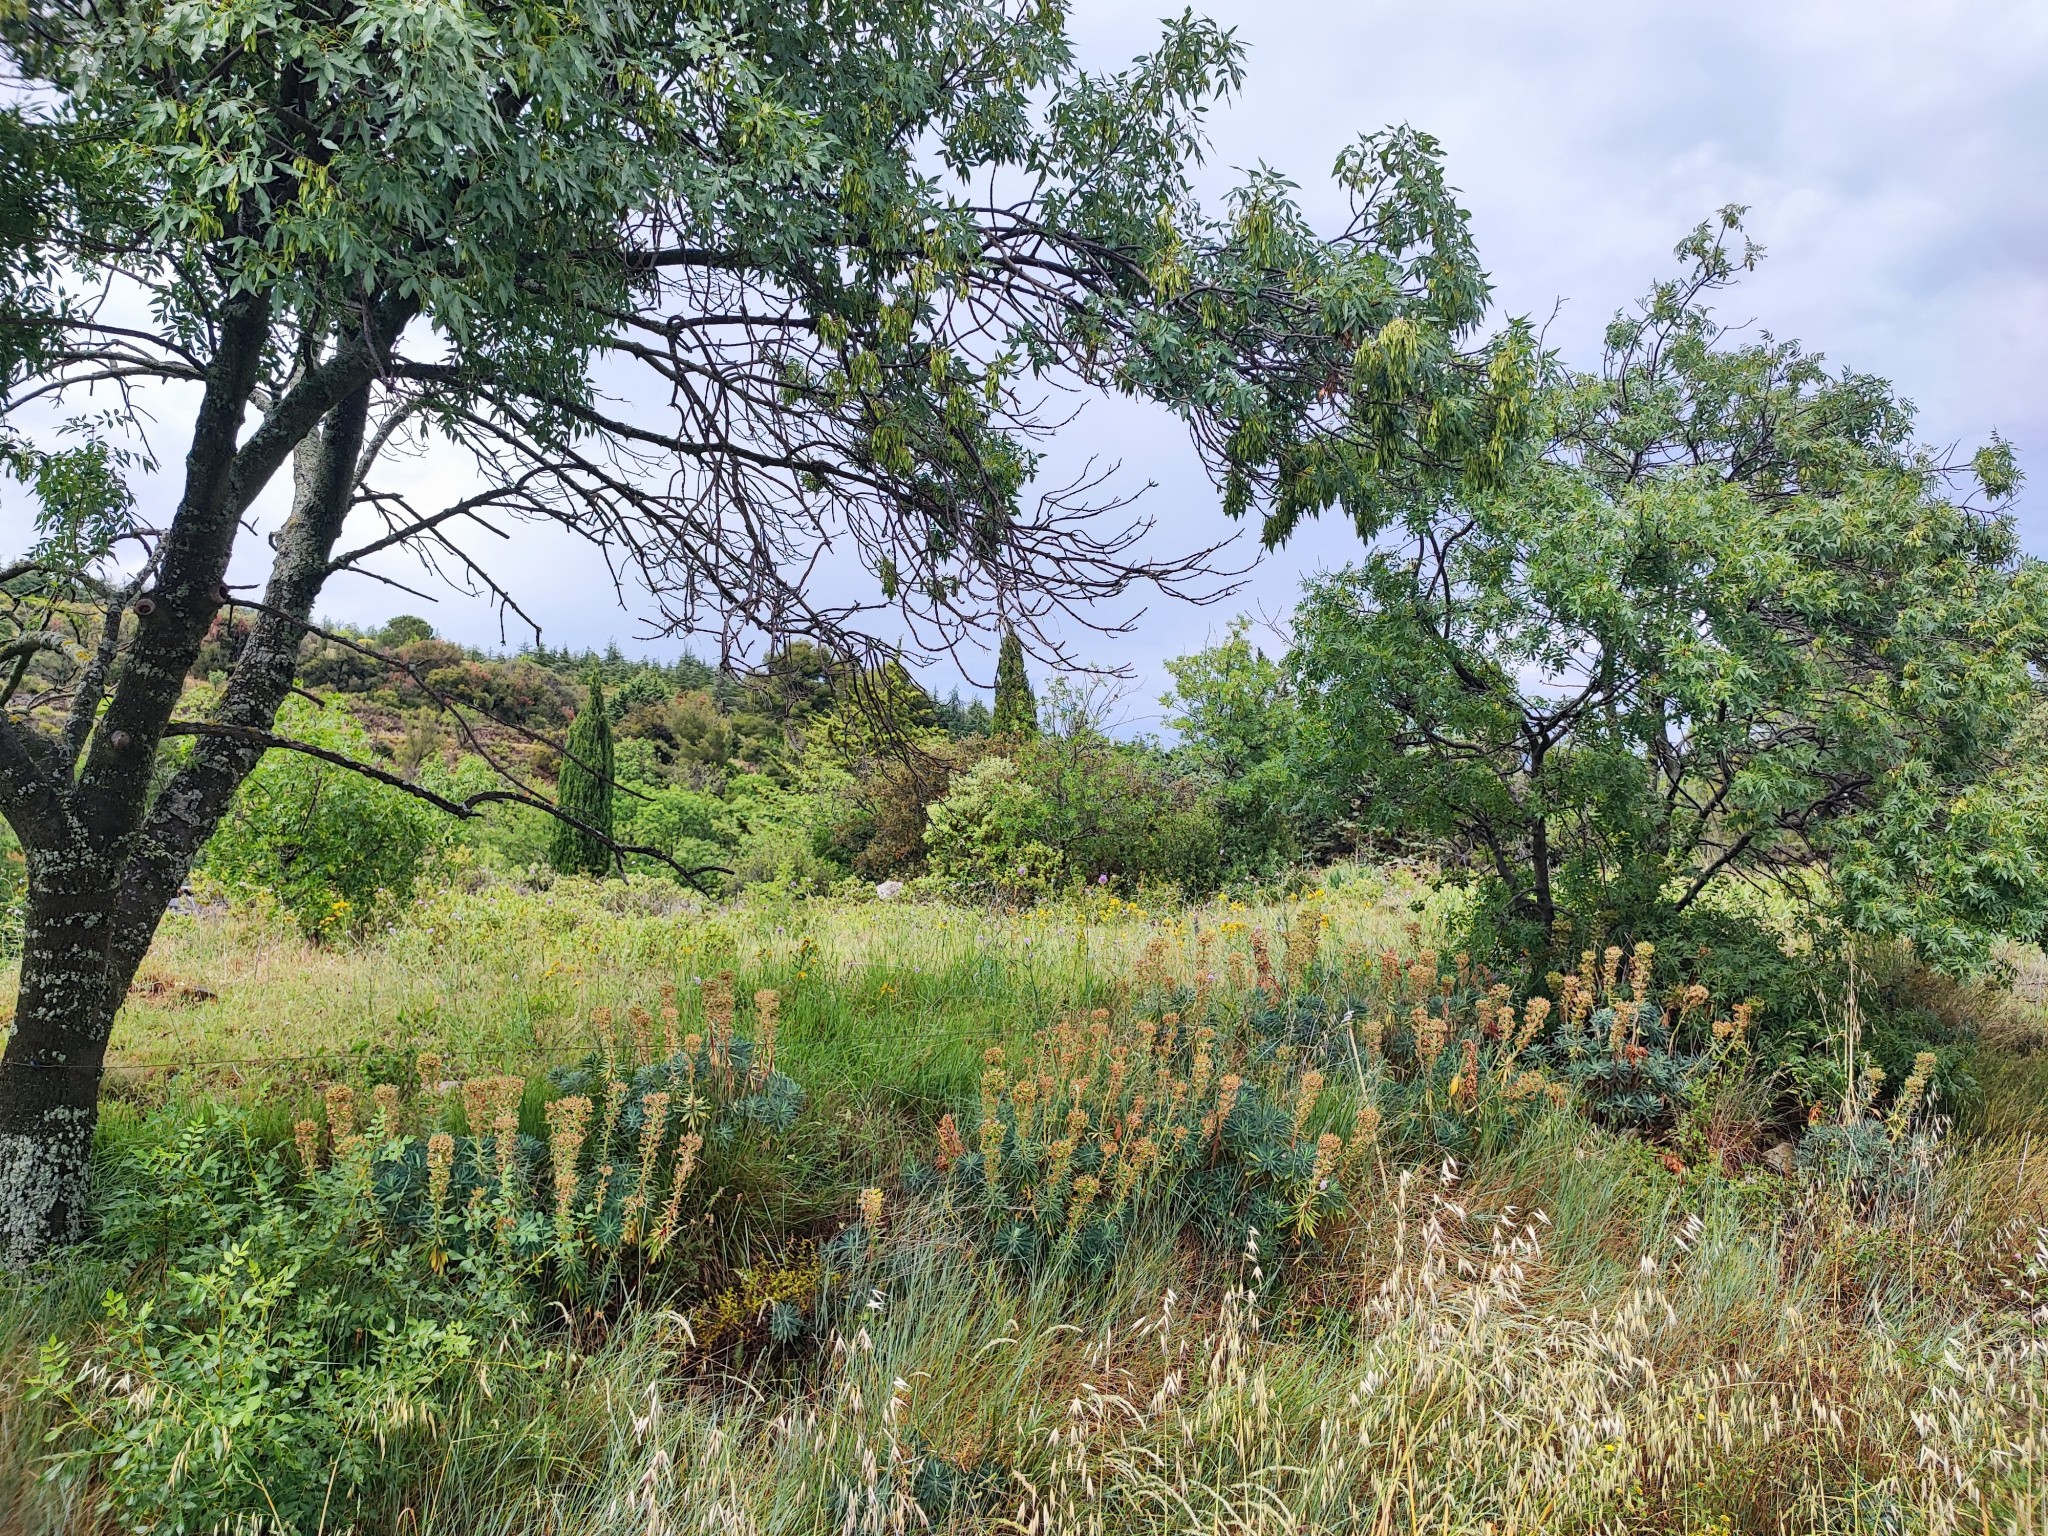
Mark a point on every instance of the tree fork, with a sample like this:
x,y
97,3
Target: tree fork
x,y
98,882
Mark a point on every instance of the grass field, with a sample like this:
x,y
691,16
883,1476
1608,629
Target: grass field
x,y
1569,1330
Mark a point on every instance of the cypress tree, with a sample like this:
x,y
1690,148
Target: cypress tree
x,y
1016,711
585,791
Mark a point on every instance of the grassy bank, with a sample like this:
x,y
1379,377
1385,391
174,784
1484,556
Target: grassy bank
x,y
1567,1328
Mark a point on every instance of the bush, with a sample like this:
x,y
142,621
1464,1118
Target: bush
x,y
689,826
1106,1132
338,851
294,1367
986,834
328,1308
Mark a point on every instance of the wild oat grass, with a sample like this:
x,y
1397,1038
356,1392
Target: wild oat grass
x,y
1565,1328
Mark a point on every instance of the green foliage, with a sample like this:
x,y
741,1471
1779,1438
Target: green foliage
x,y
405,629
293,1365
338,852
1733,625
1235,711
1016,708
986,834
1111,1131
1066,807
584,791
326,1311
691,827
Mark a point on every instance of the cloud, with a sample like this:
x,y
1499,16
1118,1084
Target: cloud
x,y
1893,156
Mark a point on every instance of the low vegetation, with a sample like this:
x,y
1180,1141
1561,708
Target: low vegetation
x,y
599,1206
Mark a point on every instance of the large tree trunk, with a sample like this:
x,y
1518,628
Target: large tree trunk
x,y
99,880
50,1073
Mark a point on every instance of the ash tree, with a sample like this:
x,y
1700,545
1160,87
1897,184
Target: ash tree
x,y
1728,623
722,288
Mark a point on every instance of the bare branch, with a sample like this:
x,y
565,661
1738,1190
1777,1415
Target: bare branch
x,y
466,809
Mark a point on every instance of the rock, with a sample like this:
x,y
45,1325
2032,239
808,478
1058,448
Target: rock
x,y
889,890
1779,1158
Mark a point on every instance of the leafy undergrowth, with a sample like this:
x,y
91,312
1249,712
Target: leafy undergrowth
x,y
1273,1231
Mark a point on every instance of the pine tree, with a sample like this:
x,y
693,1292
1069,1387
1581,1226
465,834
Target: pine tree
x,y
1016,712
585,791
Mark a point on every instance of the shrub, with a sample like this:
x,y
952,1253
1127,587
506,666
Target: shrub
x,y
339,852
986,834
295,1365
1105,1131
329,1305
690,827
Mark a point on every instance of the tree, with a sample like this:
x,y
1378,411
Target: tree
x,y
583,838
336,850
1731,624
819,255
1016,709
1234,709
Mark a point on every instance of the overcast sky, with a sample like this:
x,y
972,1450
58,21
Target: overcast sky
x,y
1894,158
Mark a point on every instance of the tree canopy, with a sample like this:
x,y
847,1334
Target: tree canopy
x,y
1731,622
722,288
